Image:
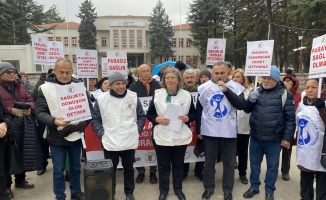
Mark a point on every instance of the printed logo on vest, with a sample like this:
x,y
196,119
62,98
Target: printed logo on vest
x,y
309,133
182,103
130,105
220,109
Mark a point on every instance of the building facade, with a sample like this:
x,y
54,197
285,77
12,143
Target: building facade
x,y
114,33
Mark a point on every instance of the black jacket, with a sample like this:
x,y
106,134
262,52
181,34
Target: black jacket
x,y
268,122
5,116
44,116
139,88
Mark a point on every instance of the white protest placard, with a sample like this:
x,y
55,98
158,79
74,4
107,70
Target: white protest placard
x,y
55,51
87,64
104,66
215,50
39,45
173,112
73,102
117,62
318,58
259,58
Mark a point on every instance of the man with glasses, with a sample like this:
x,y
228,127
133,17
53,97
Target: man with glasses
x,y
218,101
145,87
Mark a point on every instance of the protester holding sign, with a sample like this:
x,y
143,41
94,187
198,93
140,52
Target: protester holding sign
x,y
171,144
63,136
218,100
311,120
118,118
145,87
272,126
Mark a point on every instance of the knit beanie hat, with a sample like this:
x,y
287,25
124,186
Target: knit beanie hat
x,y
275,73
4,66
205,72
116,76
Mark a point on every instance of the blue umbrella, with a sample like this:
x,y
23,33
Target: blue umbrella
x,y
159,66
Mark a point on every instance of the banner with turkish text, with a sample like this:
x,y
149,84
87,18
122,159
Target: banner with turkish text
x,y
318,58
55,51
40,48
87,63
117,62
104,67
259,58
215,50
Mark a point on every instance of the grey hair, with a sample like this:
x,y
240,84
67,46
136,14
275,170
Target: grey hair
x,y
177,73
221,63
65,61
189,71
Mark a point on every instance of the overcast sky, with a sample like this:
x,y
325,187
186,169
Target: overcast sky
x,y
121,7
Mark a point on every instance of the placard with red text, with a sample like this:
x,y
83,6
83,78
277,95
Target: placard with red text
x,y
73,102
259,58
117,62
55,51
318,58
104,66
39,45
87,64
215,50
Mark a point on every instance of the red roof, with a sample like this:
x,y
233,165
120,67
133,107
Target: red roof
x,y
60,25
183,26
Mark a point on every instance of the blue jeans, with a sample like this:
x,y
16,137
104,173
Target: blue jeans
x,y
272,151
59,160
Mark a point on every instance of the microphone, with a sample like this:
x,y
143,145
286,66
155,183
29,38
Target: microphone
x,y
220,79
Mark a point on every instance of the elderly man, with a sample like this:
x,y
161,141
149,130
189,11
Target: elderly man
x,y
48,112
190,84
118,119
218,100
272,126
145,87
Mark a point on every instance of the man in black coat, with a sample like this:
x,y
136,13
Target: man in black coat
x,y
145,87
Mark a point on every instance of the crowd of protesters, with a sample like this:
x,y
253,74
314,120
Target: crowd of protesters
x,y
236,122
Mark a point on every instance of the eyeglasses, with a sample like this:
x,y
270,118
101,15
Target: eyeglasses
x,y
10,72
170,77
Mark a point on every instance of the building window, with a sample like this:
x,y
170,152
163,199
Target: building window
x,y
58,38
181,58
174,59
67,57
188,42
166,59
174,42
139,39
188,59
74,58
131,39
74,41
195,59
124,38
103,41
180,42
50,38
116,39
66,41
152,60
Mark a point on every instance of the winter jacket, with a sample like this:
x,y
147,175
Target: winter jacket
x,y
296,95
5,116
139,88
268,122
44,116
20,93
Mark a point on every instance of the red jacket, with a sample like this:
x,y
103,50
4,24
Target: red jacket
x,y
21,95
296,95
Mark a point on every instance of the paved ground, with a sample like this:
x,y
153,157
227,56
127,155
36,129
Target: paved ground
x,y
192,187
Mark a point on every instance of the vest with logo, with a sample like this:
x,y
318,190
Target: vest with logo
x,y
218,115
165,137
119,121
310,137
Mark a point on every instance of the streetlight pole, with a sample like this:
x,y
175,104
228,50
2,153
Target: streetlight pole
x,y
300,49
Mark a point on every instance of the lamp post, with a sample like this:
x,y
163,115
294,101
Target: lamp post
x,y
300,49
